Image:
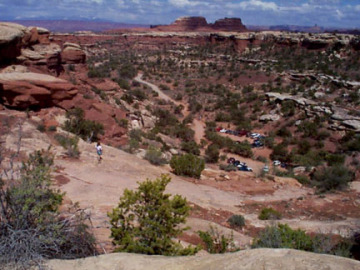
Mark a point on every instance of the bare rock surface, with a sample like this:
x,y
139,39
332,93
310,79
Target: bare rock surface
x,y
11,35
23,89
72,54
268,259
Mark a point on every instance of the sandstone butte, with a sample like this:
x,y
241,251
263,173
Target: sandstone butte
x,y
200,24
255,259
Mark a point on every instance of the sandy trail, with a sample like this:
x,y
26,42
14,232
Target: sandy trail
x,y
197,125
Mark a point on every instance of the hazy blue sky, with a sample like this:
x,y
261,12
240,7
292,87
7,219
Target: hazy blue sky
x,y
255,12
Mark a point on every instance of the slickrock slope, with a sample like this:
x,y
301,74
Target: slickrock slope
x,y
22,90
256,259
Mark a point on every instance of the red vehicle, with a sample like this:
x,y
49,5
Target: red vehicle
x,y
242,132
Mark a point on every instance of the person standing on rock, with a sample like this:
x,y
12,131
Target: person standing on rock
x,y
99,151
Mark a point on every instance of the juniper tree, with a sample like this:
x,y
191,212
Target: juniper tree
x,y
147,220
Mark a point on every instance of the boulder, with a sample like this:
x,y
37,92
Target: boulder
x,y
353,124
269,117
32,90
11,35
72,54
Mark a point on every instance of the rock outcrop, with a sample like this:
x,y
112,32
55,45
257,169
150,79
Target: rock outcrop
x,y
11,35
183,24
72,54
22,90
190,23
255,259
229,24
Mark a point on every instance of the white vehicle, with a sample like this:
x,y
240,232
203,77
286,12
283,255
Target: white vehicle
x,y
255,135
223,130
266,168
277,162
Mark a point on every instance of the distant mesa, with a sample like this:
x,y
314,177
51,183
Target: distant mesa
x,y
200,24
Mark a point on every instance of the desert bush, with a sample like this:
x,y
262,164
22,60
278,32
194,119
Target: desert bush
x,y
86,129
52,128
282,236
280,152
146,220
41,127
242,149
237,221
288,108
216,242
155,156
31,225
70,144
228,167
188,165
190,147
269,214
212,153
332,178
335,159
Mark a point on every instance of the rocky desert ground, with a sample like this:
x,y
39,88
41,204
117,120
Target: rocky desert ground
x,y
257,97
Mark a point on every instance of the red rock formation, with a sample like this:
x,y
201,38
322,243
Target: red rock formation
x,y
72,54
33,90
199,24
11,35
229,24
190,23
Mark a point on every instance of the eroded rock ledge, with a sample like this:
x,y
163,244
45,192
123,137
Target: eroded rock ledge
x,y
255,259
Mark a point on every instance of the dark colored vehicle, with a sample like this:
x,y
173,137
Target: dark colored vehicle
x,y
243,132
257,144
236,162
245,168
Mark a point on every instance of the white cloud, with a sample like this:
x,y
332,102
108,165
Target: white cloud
x,y
183,3
255,5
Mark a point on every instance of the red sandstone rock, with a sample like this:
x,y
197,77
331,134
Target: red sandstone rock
x,y
11,35
72,54
24,90
229,24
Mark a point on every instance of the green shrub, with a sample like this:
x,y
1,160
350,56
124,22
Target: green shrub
x,y
52,128
188,165
228,167
215,242
190,147
86,129
332,178
154,156
41,127
282,236
212,153
146,220
70,144
31,226
242,149
237,221
269,214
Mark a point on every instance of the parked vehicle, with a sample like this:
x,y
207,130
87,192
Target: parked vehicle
x,y
242,133
277,162
257,143
231,160
245,168
266,168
